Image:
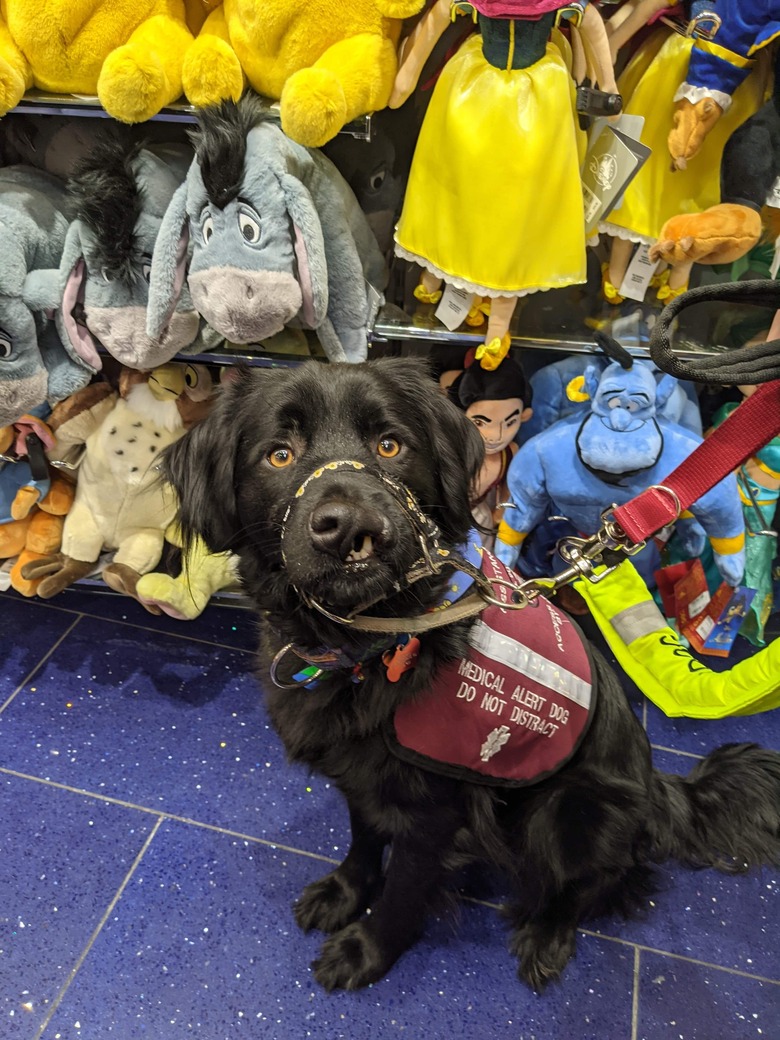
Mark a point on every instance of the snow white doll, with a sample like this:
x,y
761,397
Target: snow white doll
x,y
494,199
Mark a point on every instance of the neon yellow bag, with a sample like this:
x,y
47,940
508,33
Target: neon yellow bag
x,y
651,654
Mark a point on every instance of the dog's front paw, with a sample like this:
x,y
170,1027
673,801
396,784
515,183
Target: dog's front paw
x,y
543,953
330,904
351,959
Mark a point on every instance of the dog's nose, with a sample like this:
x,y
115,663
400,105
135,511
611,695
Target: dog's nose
x,y
351,532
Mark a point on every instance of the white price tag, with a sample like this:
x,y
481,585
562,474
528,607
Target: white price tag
x,y
454,306
637,277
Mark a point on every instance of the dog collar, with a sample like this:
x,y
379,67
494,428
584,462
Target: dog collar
x,y
398,650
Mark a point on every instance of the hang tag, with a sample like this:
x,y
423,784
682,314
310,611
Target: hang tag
x,y
612,160
637,277
401,659
454,306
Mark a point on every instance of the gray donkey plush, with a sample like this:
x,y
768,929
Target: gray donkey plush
x,y
276,235
36,364
120,192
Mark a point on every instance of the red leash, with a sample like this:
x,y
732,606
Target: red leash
x,y
749,427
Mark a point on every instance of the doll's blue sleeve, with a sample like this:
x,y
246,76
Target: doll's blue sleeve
x,y
530,502
718,66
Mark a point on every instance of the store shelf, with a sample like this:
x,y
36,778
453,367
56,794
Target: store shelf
x,y
41,103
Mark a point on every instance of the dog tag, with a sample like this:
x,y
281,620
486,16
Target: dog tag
x,y
401,659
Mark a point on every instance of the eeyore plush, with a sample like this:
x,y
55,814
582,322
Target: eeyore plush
x,y
276,238
36,366
99,291
580,466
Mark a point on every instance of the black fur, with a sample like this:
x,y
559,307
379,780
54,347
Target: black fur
x,y
109,200
579,844
220,145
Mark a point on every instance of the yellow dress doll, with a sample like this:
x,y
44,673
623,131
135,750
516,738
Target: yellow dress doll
x,y
494,199
664,187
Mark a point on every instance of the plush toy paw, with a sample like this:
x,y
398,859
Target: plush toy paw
x,y
24,586
13,538
162,594
11,87
56,572
731,567
44,533
133,87
313,107
211,72
718,235
124,579
692,123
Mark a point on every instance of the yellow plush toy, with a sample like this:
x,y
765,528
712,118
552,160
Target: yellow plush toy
x,y
129,54
327,61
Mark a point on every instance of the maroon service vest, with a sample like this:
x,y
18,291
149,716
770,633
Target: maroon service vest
x,y
515,709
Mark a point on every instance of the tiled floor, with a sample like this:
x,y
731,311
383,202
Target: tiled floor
x,y
153,839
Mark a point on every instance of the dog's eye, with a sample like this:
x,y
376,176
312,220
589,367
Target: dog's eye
x,y
388,447
280,457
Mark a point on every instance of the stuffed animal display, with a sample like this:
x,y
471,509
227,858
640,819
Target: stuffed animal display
x,y
120,502
691,94
274,236
33,498
580,466
130,55
326,61
485,228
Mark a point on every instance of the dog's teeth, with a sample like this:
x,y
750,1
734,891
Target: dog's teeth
x,y
365,550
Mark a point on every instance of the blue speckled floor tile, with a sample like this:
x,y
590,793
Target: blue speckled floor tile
x,y
223,624
167,715
729,920
203,943
679,1000
27,632
63,859
700,736
174,725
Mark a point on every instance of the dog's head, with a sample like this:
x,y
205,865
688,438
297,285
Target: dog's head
x,y
305,473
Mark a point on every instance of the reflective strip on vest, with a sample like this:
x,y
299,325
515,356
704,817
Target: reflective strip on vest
x,y
515,708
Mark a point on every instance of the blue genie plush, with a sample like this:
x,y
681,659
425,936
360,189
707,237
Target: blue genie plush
x,y
580,466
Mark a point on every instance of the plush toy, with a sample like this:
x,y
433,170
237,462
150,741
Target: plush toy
x,y
33,500
202,574
326,61
688,118
130,55
487,209
121,503
748,170
557,391
579,467
36,366
497,401
99,293
276,238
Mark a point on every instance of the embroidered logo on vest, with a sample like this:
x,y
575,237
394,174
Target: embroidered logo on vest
x,y
515,709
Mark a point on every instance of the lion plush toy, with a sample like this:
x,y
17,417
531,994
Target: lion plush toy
x,y
326,61
130,55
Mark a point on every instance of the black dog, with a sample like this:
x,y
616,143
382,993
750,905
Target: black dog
x,y
343,488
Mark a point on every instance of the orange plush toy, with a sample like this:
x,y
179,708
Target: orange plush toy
x,y
34,499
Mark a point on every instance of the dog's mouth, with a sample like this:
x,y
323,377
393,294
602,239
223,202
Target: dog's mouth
x,y
361,551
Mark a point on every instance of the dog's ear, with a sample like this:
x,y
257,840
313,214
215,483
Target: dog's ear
x,y
459,451
201,467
